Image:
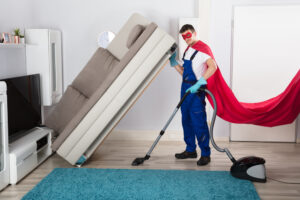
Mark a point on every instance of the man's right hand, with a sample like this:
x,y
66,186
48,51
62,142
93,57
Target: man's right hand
x,y
173,60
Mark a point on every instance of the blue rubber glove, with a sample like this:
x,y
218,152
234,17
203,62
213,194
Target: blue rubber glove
x,y
196,86
173,60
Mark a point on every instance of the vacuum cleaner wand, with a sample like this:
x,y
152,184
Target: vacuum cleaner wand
x,y
139,161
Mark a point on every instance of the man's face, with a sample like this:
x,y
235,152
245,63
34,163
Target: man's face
x,y
189,37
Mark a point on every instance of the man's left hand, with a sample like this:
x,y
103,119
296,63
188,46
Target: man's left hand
x,y
196,86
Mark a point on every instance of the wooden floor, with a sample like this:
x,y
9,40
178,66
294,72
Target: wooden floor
x,y
282,162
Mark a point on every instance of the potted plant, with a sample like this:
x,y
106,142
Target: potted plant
x,y
22,39
18,38
17,35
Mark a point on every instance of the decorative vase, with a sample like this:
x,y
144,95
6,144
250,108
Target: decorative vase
x,y
22,40
17,39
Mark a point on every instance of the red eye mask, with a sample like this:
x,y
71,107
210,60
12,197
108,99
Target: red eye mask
x,y
187,35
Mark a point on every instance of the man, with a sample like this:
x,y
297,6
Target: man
x,y
196,69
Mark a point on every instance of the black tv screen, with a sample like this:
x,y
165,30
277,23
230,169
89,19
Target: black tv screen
x,y
23,104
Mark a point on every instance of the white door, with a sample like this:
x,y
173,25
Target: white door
x,y
265,58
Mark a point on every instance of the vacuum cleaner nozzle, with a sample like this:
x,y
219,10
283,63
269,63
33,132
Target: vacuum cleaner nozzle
x,y
139,161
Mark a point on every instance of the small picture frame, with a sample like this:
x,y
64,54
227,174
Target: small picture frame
x,y
6,37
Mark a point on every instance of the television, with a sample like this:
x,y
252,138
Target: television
x,y
24,108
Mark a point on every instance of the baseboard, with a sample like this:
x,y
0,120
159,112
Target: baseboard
x,y
221,139
150,135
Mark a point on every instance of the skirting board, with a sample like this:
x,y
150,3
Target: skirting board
x,y
150,135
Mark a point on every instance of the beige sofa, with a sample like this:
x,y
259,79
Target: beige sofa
x,y
107,87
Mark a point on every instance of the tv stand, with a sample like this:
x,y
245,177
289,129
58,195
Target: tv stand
x,y
27,152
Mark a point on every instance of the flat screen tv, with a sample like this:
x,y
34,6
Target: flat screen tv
x,y
23,104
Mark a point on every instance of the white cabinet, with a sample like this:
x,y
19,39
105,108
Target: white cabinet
x,y
44,56
28,152
4,159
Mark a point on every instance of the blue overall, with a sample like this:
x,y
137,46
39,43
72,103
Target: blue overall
x,y
193,112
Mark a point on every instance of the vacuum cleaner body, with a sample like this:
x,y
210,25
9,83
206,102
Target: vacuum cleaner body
x,y
251,168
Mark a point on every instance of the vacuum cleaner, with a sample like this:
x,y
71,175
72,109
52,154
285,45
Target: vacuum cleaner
x,y
250,168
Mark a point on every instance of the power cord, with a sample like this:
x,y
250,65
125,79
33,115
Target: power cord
x,y
283,181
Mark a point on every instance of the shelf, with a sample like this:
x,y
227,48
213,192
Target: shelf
x,y
11,45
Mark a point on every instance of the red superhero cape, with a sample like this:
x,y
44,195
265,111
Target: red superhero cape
x,y
282,109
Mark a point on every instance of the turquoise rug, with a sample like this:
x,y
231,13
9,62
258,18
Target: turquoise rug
x,y
89,184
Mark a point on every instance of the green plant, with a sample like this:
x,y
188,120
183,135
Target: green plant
x,y
17,32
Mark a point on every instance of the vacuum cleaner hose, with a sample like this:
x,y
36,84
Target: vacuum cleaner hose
x,y
211,128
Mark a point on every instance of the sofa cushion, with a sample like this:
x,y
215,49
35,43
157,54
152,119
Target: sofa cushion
x,y
134,34
95,72
69,105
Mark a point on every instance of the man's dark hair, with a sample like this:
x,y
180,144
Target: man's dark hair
x,y
187,27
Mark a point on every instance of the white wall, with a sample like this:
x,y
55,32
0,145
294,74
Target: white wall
x,y
15,13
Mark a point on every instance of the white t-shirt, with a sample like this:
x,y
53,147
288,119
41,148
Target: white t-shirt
x,y
199,62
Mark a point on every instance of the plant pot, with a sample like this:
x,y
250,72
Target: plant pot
x,y
16,39
22,40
